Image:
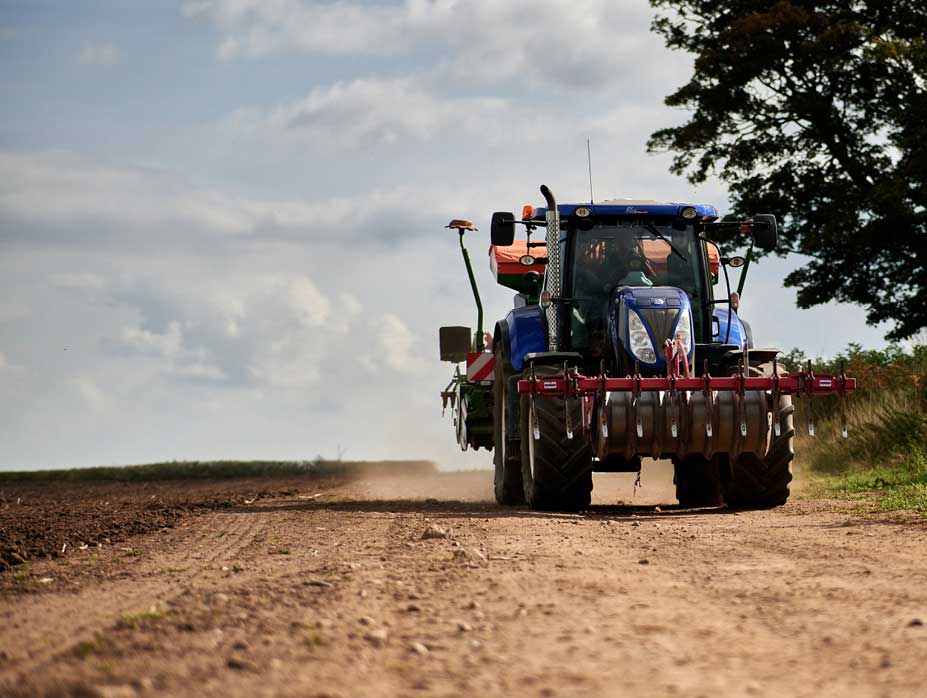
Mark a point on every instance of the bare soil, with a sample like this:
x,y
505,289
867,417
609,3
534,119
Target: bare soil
x,y
311,588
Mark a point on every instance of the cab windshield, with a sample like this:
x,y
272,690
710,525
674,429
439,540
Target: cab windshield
x,y
627,253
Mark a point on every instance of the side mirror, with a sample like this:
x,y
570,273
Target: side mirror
x,y
454,343
502,229
765,231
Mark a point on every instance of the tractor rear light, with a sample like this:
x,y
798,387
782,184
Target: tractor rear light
x,y
527,212
583,212
689,212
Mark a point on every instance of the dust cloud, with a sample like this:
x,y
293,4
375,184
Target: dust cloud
x,y
655,486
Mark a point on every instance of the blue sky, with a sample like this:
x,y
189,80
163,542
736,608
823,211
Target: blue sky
x,y
221,221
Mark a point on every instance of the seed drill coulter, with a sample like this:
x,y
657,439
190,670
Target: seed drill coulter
x,y
616,349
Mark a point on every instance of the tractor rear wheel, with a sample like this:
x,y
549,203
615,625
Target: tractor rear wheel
x,y
507,481
763,483
556,470
698,482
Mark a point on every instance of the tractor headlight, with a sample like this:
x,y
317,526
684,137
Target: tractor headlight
x,y
684,330
639,340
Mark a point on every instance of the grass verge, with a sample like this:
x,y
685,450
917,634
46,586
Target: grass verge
x,y
883,463
894,488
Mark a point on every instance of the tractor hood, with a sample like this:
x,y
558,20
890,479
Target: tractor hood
x,y
642,319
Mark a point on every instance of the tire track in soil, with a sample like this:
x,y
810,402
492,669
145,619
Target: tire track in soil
x,y
37,627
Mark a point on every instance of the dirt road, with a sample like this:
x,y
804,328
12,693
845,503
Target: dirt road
x,y
337,593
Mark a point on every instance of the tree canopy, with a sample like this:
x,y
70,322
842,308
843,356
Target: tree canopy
x,y
816,112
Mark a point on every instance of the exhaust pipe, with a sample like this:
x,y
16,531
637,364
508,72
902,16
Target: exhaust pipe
x,y
552,273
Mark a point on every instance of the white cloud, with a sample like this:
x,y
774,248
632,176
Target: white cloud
x,y
78,281
254,28
89,392
398,347
558,43
144,341
64,198
101,54
308,305
365,113
237,329
350,304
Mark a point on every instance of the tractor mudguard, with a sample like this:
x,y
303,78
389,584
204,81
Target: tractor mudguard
x,y
522,332
738,334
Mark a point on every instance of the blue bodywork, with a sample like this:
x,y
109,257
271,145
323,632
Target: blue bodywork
x,y
527,332
738,334
659,298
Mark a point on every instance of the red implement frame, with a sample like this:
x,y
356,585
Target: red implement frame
x,y
803,384
577,385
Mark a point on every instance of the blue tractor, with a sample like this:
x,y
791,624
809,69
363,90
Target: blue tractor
x,y
616,349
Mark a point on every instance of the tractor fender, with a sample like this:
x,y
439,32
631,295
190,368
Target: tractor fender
x,y
523,331
738,336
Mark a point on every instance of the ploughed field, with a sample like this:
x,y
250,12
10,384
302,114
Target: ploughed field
x,y
421,586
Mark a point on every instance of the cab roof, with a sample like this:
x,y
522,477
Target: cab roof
x,y
635,207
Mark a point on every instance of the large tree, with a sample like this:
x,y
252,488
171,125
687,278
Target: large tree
x,y
817,112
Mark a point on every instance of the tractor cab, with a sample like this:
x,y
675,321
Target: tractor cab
x,y
632,274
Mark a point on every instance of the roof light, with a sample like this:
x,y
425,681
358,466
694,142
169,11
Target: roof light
x,y
526,260
689,212
583,212
527,212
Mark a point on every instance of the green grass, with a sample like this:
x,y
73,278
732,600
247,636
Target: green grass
x,y
210,470
883,488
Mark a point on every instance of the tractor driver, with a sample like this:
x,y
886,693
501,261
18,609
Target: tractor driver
x,y
603,264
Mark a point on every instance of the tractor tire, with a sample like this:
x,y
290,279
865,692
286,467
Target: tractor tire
x,y
698,481
556,470
763,483
507,482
